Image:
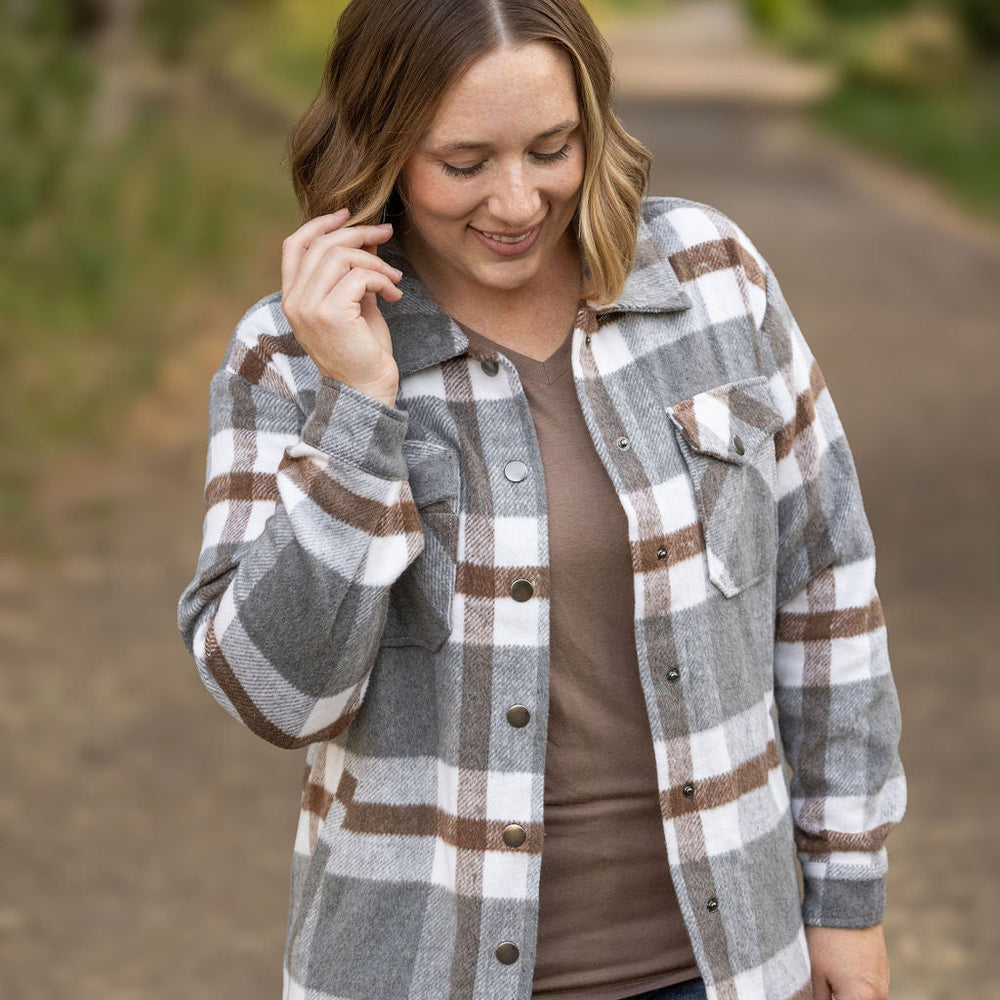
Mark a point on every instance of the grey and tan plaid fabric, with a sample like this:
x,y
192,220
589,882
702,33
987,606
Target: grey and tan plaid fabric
x,y
372,586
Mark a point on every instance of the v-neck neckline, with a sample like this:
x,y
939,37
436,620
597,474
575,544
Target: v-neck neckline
x,y
557,364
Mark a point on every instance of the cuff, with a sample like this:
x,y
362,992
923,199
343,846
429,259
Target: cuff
x,y
844,894
349,425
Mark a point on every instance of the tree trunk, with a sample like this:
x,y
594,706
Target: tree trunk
x,y
116,51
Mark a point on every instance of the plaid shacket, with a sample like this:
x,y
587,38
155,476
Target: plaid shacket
x,y
356,594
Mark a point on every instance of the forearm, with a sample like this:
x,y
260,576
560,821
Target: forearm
x,y
304,535
839,720
837,704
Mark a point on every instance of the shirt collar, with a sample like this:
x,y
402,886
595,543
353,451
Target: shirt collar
x,y
652,285
424,335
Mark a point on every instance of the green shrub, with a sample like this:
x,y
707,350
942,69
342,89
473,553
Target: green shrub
x,y
982,21
861,9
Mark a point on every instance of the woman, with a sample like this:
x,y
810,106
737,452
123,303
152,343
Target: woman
x,y
531,501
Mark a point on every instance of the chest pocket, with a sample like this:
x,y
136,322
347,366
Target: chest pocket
x,y
420,601
726,436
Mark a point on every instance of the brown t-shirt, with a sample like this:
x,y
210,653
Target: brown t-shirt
x,y
609,922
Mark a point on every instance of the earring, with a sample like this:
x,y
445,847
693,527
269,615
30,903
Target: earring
x,y
393,207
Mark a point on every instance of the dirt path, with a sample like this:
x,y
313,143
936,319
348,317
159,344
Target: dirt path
x,y
146,838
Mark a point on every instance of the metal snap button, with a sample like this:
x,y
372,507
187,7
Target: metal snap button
x,y
623,443
661,554
515,471
688,790
673,675
521,590
507,953
514,835
712,905
490,367
738,445
518,716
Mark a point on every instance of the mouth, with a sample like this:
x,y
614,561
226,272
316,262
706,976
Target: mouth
x,y
508,244
503,238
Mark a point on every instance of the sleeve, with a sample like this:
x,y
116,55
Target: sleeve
x,y
309,520
837,704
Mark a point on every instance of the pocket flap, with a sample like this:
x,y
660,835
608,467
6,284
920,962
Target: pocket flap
x,y
433,472
729,422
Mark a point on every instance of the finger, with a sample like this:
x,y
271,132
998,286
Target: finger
x,y
317,277
338,262
312,286
362,237
298,242
352,288
320,229
350,237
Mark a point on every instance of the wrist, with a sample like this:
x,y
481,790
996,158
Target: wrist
x,y
382,392
348,425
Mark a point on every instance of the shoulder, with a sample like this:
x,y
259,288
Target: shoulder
x,y
679,225
263,351
709,252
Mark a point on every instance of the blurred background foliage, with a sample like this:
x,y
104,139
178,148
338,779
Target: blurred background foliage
x,y
141,168
141,163
918,80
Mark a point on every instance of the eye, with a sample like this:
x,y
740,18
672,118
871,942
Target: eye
x,y
559,154
462,171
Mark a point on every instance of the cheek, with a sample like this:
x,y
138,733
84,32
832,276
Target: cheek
x,y
570,182
440,198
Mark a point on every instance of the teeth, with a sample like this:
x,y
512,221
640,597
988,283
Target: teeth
x,y
507,239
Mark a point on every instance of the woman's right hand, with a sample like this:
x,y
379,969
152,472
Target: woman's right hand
x,y
330,277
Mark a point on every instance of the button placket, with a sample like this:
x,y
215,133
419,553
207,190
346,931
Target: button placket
x,y
513,835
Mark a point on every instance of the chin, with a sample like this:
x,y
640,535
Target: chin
x,y
507,277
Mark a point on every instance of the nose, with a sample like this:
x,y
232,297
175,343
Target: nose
x,y
516,200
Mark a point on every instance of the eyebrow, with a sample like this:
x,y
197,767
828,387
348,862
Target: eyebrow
x,y
458,147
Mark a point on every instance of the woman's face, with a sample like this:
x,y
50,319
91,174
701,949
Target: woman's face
x,y
492,188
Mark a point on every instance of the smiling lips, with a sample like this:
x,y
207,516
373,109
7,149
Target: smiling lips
x,y
508,244
507,239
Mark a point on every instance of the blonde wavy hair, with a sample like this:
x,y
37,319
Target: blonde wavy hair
x,y
388,68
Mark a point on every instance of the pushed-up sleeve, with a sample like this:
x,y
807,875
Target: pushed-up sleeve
x,y
309,520
837,704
